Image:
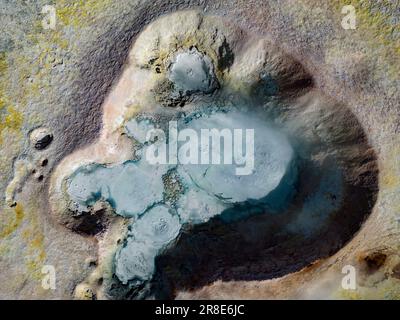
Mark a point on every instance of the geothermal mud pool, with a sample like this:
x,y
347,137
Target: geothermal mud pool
x,y
202,157
274,175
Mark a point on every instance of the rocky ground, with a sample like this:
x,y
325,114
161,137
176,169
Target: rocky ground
x,y
53,85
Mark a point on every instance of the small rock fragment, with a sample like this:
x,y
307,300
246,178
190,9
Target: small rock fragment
x,y
41,138
84,292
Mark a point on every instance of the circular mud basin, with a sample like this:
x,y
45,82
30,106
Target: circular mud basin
x,y
222,159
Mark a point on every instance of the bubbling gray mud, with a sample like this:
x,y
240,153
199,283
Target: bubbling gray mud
x,y
192,72
136,189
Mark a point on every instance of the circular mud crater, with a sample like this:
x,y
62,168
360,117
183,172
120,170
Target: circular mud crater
x,y
187,228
